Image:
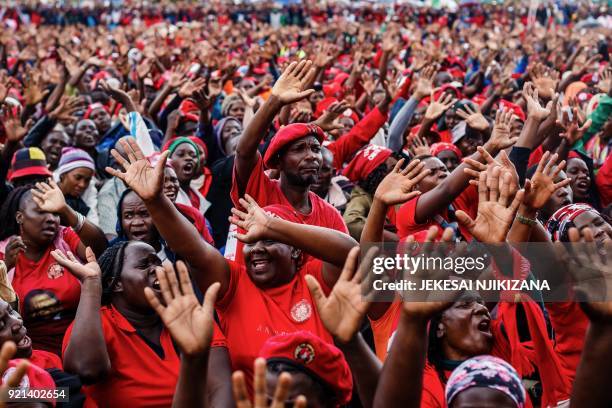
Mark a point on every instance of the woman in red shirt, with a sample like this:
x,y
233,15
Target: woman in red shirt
x,y
270,285
35,222
117,344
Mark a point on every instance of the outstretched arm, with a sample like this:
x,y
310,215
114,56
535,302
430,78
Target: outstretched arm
x,y
208,264
329,245
289,88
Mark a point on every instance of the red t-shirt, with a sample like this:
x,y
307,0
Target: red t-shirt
x,y
44,359
249,315
48,294
267,192
140,376
406,224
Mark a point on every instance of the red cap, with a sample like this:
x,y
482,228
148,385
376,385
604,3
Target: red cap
x,y
311,354
365,161
34,378
436,148
288,134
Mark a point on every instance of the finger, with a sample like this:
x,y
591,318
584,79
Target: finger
x,y
482,187
543,162
251,200
465,220
172,279
259,382
210,298
472,173
475,164
154,301
184,279
164,285
562,183
398,166
138,154
89,255
315,291
9,348
493,183
350,265
415,170
239,223
506,183
518,199
120,159
115,173
72,257
239,387
366,264
300,402
485,154
282,390
15,379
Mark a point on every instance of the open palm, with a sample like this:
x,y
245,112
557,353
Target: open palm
x,y
139,175
254,221
90,270
290,86
398,186
48,197
190,324
542,185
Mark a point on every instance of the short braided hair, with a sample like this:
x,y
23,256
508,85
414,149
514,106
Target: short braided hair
x,y
111,264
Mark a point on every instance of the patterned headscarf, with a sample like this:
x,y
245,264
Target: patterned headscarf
x,y
563,219
487,372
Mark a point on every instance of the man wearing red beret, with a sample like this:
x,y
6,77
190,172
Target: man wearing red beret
x,y
295,151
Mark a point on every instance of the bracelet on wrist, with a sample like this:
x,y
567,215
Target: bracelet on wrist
x,y
526,220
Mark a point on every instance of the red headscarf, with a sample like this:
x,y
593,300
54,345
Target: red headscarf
x,y
443,146
365,161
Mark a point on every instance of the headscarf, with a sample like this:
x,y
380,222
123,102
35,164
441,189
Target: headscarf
x,y
563,219
218,130
443,146
228,102
486,372
365,161
173,144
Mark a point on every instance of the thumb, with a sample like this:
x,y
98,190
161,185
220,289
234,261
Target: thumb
x,y
465,219
210,297
315,290
89,255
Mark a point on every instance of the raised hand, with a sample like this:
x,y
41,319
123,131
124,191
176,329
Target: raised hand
x,y
572,129
189,87
5,85
203,99
424,85
327,121
241,395
437,108
545,80
473,117
34,91
14,247
343,310
591,269
534,109
13,128
68,106
289,87
418,146
368,83
542,185
178,76
398,186
495,211
504,163
501,136
91,270
190,323
604,84
255,221
49,197
147,181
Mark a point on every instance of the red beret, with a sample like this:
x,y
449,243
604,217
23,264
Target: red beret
x,y
316,357
288,134
436,148
365,161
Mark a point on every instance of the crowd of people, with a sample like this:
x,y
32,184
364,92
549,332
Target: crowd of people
x,y
184,191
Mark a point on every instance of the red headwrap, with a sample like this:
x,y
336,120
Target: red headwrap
x,y
365,161
288,134
518,111
92,107
443,146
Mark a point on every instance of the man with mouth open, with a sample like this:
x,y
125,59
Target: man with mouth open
x,y
295,150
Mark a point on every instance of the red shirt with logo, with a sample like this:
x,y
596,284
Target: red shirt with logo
x,y
142,374
249,315
48,294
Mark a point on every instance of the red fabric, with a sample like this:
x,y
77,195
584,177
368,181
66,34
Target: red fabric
x,y
365,161
570,325
139,376
603,180
467,201
535,156
197,219
267,192
321,357
35,378
288,134
44,359
442,146
249,315
93,107
360,135
48,295
518,111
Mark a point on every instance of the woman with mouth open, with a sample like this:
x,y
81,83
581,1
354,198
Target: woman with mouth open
x,y
266,295
36,222
119,346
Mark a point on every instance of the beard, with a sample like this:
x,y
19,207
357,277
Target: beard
x,y
301,181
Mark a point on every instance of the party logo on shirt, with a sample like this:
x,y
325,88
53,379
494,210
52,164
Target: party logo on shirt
x,y
55,271
25,381
304,353
301,311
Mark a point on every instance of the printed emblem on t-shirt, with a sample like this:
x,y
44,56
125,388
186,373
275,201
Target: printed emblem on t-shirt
x,y
304,353
301,311
55,271
40,303
25,381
